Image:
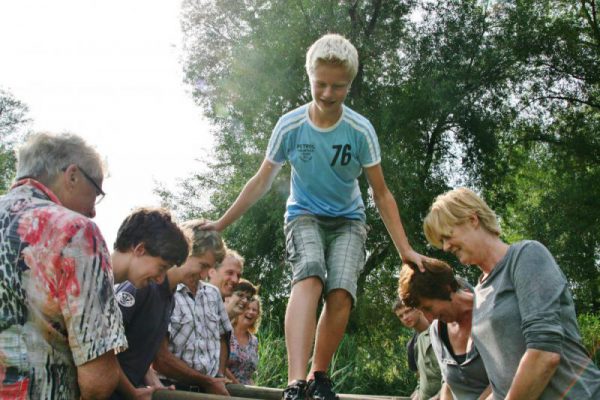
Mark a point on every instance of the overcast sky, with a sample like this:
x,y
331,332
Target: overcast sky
x,y
109,71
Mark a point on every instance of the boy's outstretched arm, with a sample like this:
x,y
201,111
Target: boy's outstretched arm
x,y
388,209
254,189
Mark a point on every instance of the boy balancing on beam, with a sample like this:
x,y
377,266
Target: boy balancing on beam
x,y
329,146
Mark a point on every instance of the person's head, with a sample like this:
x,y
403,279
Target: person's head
x,y
431,291
332,49
331,65
251,315
243,292
152,243
455,208
206,249
68,166
227,273
408,316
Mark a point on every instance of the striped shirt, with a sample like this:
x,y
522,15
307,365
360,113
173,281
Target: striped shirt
x,y
325,162
197,324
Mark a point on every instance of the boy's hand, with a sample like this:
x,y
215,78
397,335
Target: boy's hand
x,y
211,226
415,258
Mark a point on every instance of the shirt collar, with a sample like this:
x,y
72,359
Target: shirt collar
x,y
39,186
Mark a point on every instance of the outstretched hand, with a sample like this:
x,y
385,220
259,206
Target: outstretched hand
x,y
211,226
412,256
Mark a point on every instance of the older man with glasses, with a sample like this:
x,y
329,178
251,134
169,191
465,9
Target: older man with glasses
x,y
60,324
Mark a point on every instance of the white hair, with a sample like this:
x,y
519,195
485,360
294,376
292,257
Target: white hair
x,y
45,155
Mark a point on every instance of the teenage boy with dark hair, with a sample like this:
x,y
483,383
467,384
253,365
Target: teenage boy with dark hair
x,y
421,357
147,312
148,243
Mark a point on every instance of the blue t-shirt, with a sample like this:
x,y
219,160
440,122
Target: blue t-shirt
x,y
146,316
325,162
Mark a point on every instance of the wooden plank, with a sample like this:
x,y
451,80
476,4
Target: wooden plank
x,y
263,393
241,392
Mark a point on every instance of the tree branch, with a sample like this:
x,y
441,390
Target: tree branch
x,y
570,99
375,259
591,19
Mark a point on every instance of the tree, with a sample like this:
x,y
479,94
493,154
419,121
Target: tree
x,y
501,96
13,122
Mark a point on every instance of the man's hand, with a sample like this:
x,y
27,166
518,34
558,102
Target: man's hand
x,y
216,386
144,393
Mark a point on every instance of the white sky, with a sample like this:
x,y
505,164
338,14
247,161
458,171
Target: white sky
x,y
109,71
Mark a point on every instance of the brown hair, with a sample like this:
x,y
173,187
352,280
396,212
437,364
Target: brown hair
x,y
437,282
245,285
160,235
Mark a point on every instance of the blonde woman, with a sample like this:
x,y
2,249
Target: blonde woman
x,y
243,356
524,324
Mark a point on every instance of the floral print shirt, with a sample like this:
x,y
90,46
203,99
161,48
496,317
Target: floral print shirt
x,y
243,360
57,308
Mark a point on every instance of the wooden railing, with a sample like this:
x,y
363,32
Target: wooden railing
x,y
241,392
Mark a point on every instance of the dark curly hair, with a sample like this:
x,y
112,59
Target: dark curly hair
x,y
160,235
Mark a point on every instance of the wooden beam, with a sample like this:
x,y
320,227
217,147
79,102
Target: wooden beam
x,y
242,392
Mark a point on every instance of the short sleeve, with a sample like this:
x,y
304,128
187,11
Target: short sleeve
x,y
129,299
92,317
539,284
225,327
276,148
368,146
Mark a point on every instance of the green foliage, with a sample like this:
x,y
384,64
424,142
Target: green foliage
x,y
500,96
366,362
272,356
589,325
13,120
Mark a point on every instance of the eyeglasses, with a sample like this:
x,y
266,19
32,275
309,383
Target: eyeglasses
x,y
243,295
99,192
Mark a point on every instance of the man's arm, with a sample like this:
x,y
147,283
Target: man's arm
x,y
151,379
92,315
174,368
388,209
128,391
229,375
254,189
223,355
487,394
105,366
533,374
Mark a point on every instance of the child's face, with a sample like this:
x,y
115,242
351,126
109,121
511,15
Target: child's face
x,y
329,87
146,268
197,267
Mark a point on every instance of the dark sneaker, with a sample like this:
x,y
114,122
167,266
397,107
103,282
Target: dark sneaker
x,y
321,388
295,391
